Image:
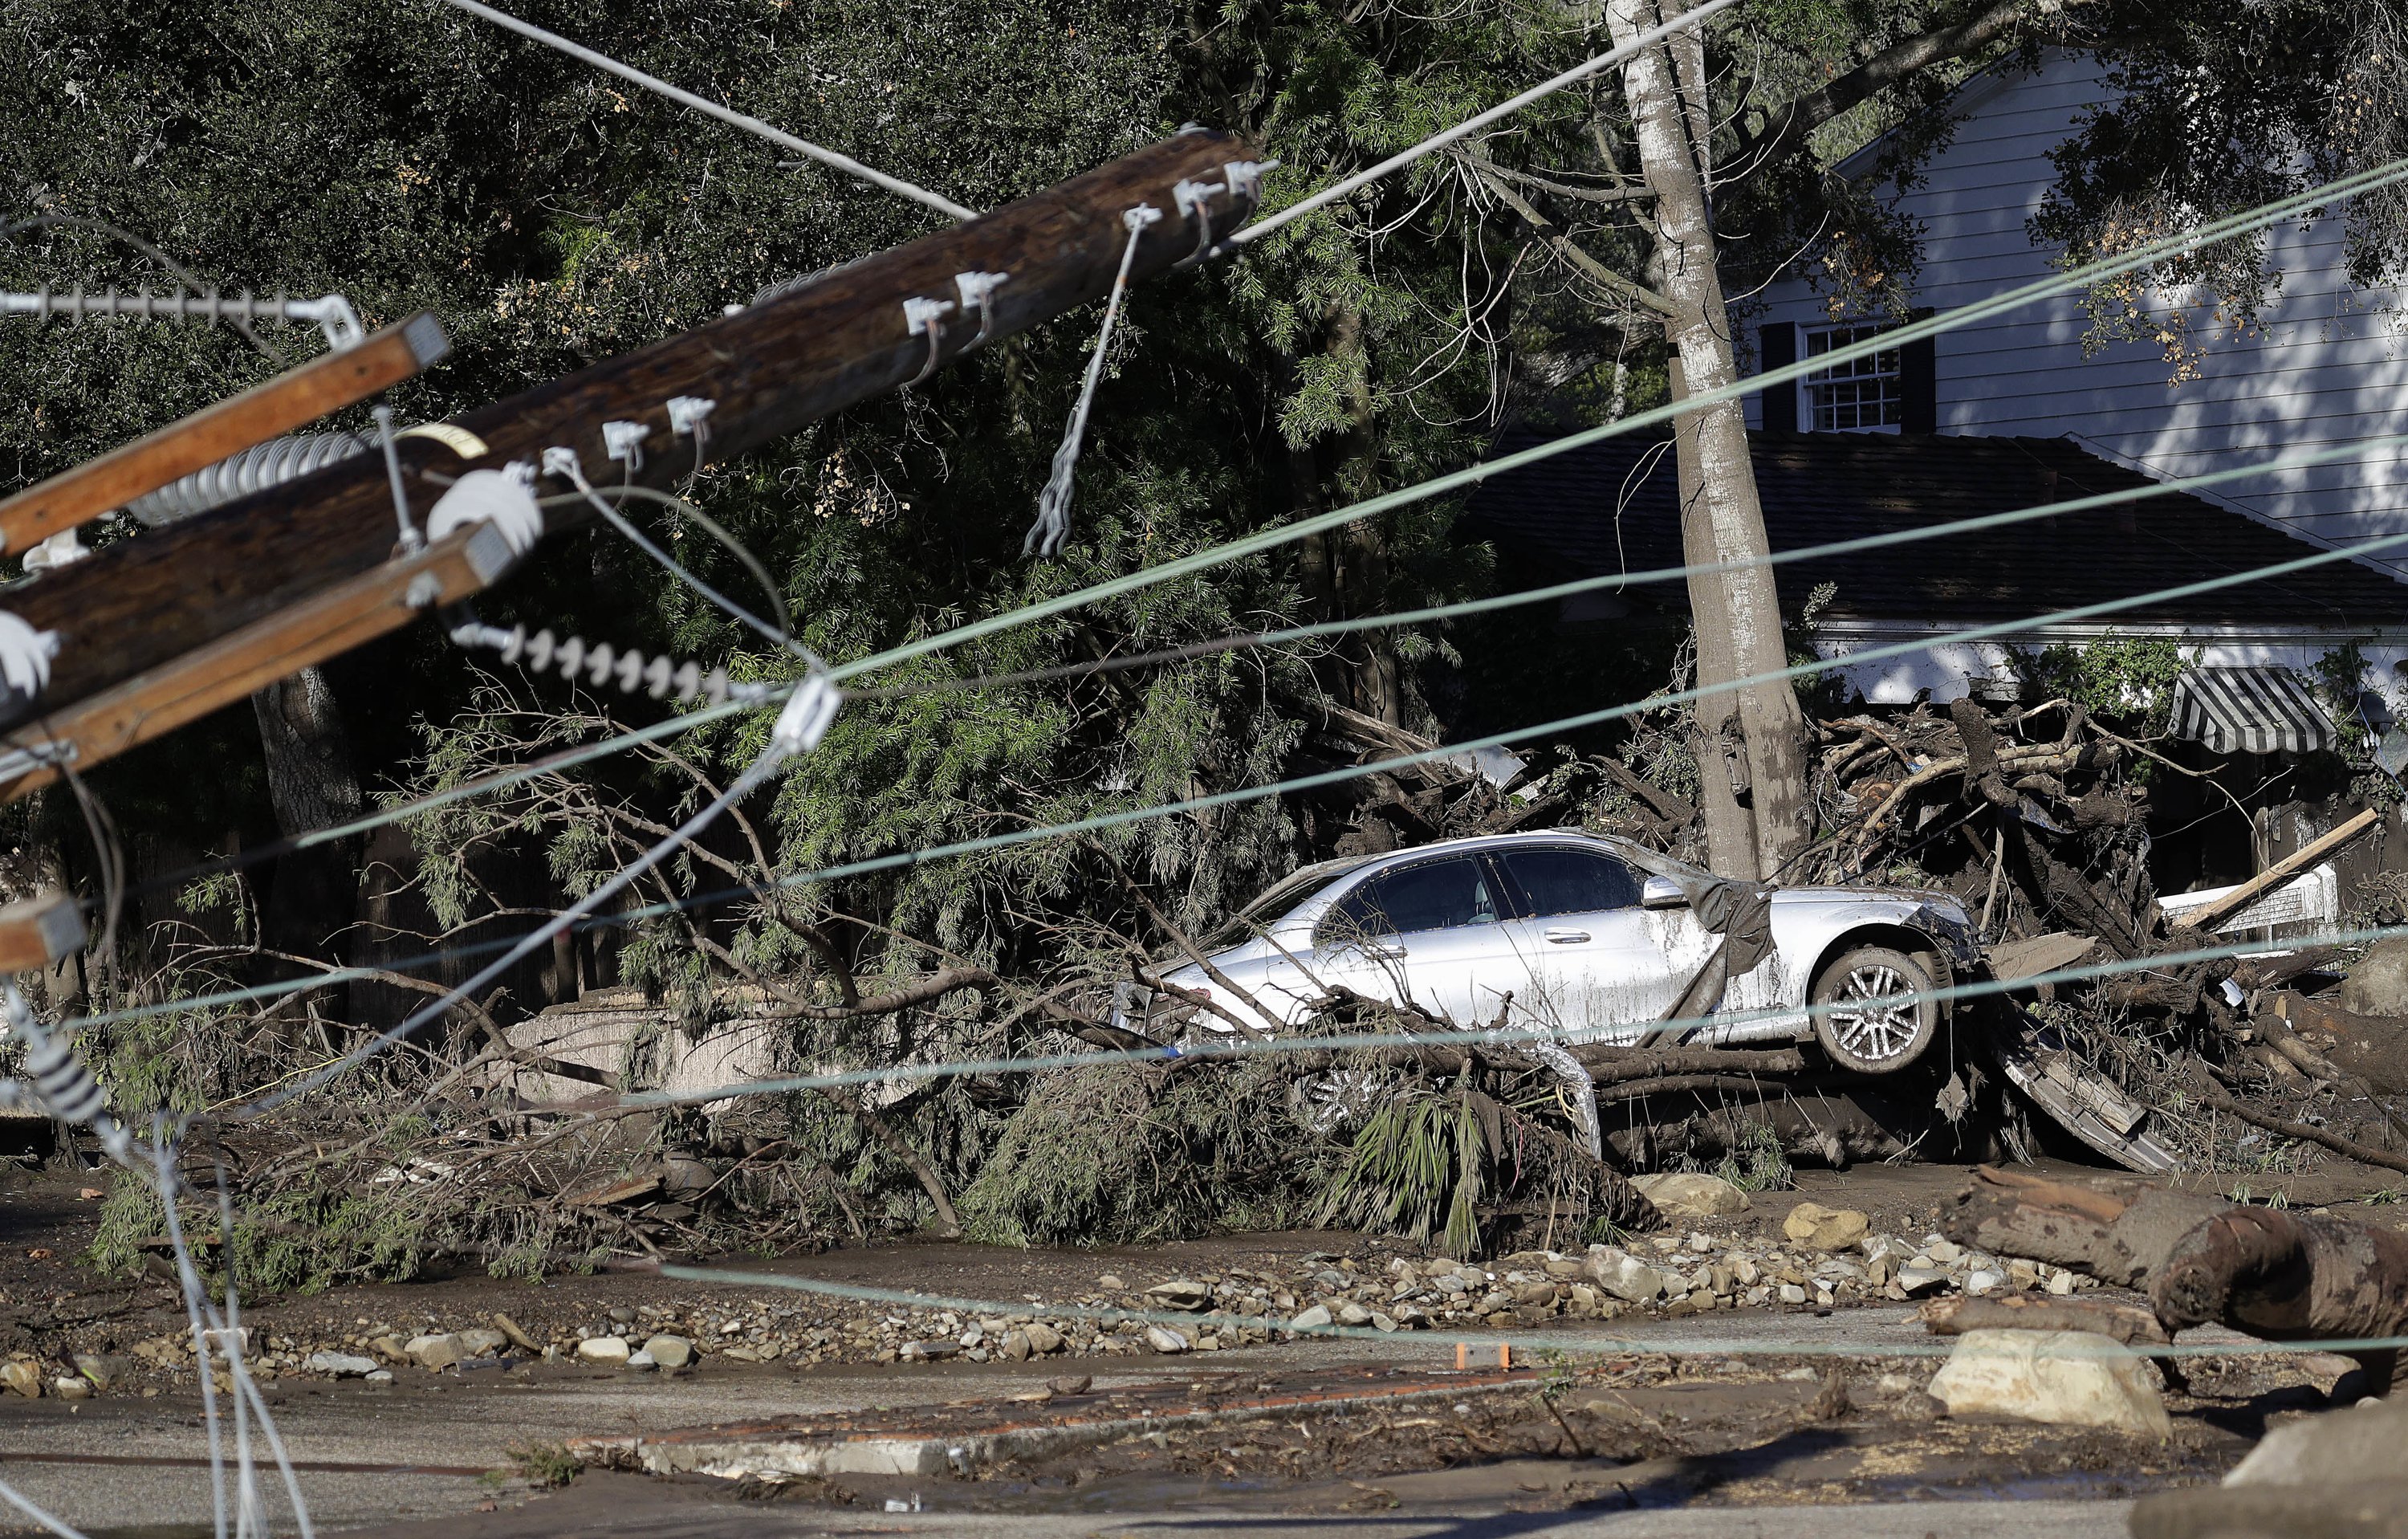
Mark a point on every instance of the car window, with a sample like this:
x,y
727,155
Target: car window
x,y
1560,880
1436,894
1284,899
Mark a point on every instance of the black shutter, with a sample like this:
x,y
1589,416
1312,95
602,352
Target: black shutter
x,y
1919,384
1777,346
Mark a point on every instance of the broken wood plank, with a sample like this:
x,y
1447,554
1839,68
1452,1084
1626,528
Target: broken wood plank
x,y
2208,915
152,704
35,933
275,405
614,1192
2013,960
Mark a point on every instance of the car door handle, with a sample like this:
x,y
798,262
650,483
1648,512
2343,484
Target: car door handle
x,y
1566,937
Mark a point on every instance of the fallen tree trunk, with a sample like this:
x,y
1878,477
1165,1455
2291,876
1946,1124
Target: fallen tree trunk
x,y
2117,1230
1614,1065
2126,1323
2289,1276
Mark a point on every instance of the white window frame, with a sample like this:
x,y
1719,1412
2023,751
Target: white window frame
x,y
1885,372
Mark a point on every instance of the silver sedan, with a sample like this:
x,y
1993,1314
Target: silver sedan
x,y
1588,939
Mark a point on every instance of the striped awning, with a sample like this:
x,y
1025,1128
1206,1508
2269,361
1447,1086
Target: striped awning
x,y
2250,710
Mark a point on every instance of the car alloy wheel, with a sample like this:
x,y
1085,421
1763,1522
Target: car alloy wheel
x,y
1873,1022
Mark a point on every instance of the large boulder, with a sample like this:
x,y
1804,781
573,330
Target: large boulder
x,y
2378,984
1689,1194
2070,1379
1826,1229
1624,1275
2344,1473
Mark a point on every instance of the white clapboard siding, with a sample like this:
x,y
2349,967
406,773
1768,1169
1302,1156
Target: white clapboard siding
x,y
2329,366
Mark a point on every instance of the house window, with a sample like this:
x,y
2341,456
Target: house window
x,y
1865,395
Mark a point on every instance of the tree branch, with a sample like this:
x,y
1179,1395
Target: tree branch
x,y
1908,56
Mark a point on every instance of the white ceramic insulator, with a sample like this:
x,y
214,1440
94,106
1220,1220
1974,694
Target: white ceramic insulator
x,y
498,497
25,654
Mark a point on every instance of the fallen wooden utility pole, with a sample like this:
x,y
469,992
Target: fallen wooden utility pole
x,y
2208,915
275,405
748,378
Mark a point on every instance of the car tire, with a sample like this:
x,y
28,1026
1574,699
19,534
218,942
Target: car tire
x,y
1870,1030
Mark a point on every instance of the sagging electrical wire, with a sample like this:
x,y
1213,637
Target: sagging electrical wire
x,y
800,725
844,163
1103,822
502,780
1470,126
563,462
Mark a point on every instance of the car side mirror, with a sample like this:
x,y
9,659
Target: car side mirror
x,y
1662,892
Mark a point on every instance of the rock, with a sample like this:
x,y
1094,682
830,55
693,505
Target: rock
x,y
1893,1384
640,1359
1381,1322
1918,1281
2378,984
606,1351
2062,1284
70,1388
1624,1275
1181,1295
670,1351
1826,1229
1791,1294
1691,1195
382,1375
104,1371
1943,1252
1885,1248
1043,1339
928,1351
343,1365
2070,1378
1070,1384
440,1352
516,1337
21,1378
1014,1346
1984,1281
1351,1313
1109,1283
216,1343
1311,1319
482,1341
1165,1340
2335,1448
391,1347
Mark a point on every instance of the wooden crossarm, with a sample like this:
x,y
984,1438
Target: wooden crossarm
x,y
160,700
35,933
230,426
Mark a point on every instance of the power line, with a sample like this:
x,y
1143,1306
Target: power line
x,y
844,163
1103,822
1573,75
1266,539
568,759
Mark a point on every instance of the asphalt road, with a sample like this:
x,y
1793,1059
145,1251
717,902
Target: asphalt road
x,y
419,1450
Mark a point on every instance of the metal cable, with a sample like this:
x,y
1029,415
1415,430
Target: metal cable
x,y
710,108
1473,124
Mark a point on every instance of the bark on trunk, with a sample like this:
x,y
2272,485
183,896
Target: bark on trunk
x,y
2289,1276
1768,822
2116,1229
312,893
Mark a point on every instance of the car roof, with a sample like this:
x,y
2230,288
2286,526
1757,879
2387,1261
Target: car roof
x,y
1646,859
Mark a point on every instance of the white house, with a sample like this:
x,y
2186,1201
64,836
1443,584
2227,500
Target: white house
x,y
2328,366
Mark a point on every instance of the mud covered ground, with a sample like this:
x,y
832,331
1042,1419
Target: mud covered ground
x,y
1600,1430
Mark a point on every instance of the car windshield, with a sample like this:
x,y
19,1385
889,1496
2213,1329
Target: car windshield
x,y
1286,896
